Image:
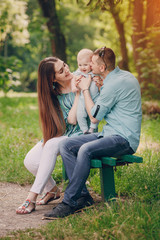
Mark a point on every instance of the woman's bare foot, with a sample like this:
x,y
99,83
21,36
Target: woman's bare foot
x,y
27,207
49,196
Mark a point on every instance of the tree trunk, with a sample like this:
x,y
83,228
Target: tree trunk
x,y
120,28
153,23
138,34
146,26
57,38
6,47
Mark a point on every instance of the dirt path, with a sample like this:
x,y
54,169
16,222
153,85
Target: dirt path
x,y
12,196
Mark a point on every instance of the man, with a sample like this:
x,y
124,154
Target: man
x,y
119,104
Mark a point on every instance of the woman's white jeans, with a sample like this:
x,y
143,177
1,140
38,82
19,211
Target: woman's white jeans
x,y
40,161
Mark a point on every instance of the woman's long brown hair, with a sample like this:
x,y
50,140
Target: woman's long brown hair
x,y
51,116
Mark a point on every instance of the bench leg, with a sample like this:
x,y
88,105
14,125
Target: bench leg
x,y
107,183
64,174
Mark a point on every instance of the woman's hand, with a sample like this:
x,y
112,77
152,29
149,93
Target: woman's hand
x,y
74,83
84,83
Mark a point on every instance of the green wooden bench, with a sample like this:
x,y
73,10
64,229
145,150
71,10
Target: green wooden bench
x,y
106,166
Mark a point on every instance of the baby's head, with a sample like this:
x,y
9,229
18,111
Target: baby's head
x,y
84,60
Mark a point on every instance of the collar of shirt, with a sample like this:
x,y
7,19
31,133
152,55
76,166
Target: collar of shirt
x,y
117,69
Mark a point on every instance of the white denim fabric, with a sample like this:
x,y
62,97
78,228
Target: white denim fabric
x,y
40,161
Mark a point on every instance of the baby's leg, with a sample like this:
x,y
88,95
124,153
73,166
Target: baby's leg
x,y
93,127
82,116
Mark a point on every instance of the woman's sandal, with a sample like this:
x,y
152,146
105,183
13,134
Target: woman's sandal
x,y
23,209
43,202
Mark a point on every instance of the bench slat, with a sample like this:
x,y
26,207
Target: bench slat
x,y
109,161
130,158
96,163
115,161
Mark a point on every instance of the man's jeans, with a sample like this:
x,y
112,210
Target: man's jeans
x,y
77,152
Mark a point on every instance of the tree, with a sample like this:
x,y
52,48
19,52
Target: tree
x,y
115,9
56,36
13,26
145,15
146,35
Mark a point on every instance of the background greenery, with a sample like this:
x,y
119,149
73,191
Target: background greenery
x,y
135,216
130,28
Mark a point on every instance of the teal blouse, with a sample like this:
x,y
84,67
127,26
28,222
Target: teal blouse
x,y
66,101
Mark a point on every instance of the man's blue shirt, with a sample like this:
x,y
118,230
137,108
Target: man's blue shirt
x,y
119,104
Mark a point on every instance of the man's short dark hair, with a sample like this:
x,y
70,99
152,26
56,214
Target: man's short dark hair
x,y
108,57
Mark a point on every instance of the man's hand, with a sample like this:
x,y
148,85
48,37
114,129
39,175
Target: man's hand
x,y
84,83
98,81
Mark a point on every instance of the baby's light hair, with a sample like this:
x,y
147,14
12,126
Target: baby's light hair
x,y
84,52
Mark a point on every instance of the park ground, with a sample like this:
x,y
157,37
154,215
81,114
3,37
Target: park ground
x,y
12,196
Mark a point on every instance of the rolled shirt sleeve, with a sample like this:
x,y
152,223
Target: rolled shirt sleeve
x,y
104,104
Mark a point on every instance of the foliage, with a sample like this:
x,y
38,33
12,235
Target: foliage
x,y
85,24
146,45
150,66
13,29
39,46
34,50
9,73
144,32
14,21
37,49
151,108
78,31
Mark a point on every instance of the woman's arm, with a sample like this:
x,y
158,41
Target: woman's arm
x,y
72,116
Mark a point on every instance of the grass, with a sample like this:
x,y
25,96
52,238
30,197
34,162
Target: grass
x,y
128,220
19,132
137,217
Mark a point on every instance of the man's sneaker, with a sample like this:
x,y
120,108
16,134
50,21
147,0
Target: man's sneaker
x,y
62,210
84,201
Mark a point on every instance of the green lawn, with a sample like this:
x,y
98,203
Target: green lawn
x,y
138,217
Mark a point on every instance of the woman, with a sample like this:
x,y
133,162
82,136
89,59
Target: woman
x,y
57,110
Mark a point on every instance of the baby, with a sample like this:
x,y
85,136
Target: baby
x,y
84,68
